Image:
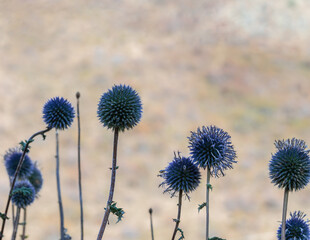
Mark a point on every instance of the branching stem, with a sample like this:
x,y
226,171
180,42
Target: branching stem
x,y
16,174
207,203
79,164
16,223
178,220
24,224
285,203
61,214
110,199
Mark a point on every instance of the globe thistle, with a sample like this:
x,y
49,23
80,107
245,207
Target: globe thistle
x,y
36,179
11,160
120,108
211,147
296,228
180,174
290,165
23,194
58,113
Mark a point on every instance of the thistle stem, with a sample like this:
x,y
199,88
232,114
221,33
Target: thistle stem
x,y
178,220
151,221
16,174
110,199
13,207
79,164
24,224
207,204
62,228
13,215
16,223
285,203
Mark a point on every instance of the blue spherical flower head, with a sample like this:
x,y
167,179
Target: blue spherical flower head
x,y
11,160
290,165
120,108
180,174
297,228
211,147
23,194
36,179
58,113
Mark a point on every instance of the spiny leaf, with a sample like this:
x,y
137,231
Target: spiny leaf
x,y
115,168
67,236
119,212
3,216
201,206
43,136
24,143
182,234
176,220
209,186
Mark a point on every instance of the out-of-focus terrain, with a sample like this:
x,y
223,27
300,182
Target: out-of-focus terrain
x,y
241,65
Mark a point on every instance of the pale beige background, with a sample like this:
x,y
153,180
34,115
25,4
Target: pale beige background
x,y
241,65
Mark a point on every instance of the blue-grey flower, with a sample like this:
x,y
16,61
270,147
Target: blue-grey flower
x,y
120,107
290,165
23,194
36,178
211,147
58,113
297,227
180,174
11,160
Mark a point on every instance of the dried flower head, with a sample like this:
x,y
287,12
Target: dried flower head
x,y
11,160
211,147
23,194
36,178
180,174
297,228
120,108
290,165
58,113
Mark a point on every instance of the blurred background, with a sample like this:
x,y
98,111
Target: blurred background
x,y
243,66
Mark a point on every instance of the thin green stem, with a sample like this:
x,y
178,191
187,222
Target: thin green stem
x,y
285,203
151,221
24,224
79,164
178,220
61,214
16,223
16,174
207,203
112,186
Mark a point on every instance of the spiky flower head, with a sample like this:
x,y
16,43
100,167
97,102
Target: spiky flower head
x,y
211,147
180,174
58,113
36,178
296,228
120,107
11,160
23,194
290,165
